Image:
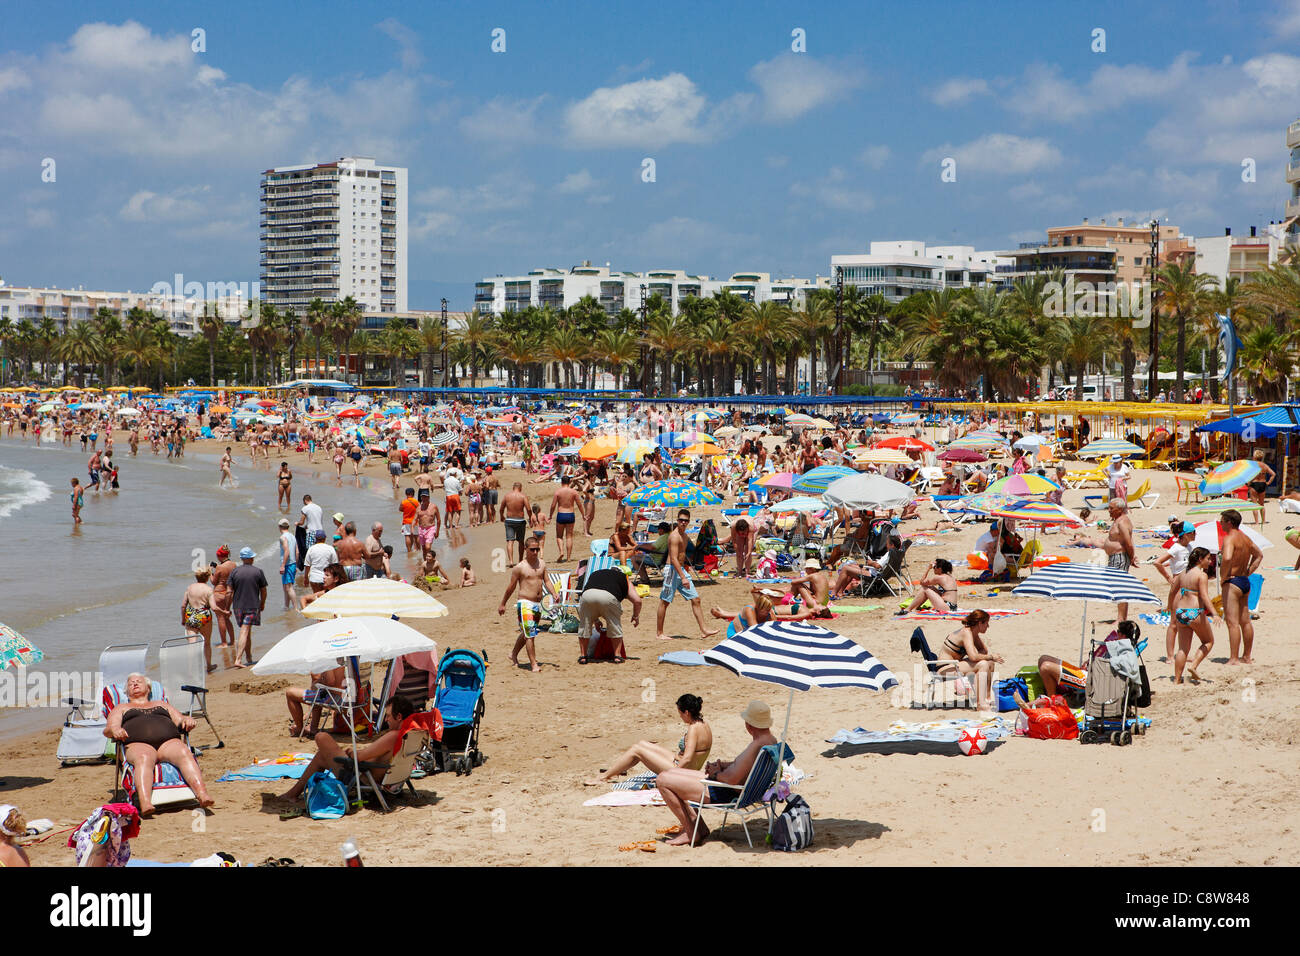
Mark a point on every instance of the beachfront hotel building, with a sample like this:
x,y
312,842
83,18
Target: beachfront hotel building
x,y
333,230
1236,257
1292,211
899,268
1092,252
615,290
65,307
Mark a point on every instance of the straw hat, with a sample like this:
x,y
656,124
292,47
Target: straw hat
x,y
757,714
815,565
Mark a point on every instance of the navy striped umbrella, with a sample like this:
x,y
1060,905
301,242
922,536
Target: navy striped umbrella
x,y
1086,582
444,438
800,655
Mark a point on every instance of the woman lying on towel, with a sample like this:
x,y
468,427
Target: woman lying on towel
x,y
381,750
152,731
692,750
760,612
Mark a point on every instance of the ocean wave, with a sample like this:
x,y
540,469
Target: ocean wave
x,y
19,488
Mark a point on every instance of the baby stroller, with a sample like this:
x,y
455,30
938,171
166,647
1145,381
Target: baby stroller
x,y
459,698
1111,699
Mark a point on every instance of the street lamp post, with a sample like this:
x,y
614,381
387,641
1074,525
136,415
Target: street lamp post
x,y
1153,364
839,330
645,314
444,343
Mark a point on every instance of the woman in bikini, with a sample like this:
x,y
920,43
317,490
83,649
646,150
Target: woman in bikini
x,y
13,825
339,458
936,584
196,612
1192,611
741,542
760,612
285,482
1259,486
968,650
692,750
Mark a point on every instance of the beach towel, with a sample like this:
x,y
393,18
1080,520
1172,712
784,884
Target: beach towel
x,y
1156,620
931,731
287,766
638,781
856,608
626,798
684,658
960,612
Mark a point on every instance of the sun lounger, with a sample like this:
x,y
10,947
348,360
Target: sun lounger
x,y
82,739
183,667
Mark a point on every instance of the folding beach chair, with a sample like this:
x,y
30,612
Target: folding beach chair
x,y
183,668
350,704
397,773
169,787
750,796
82,739
937,679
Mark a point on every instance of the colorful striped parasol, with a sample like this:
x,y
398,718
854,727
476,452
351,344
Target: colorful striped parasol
x,y
1023,485
817,480
1229,476
1218,505
1109,446
16,650
672,492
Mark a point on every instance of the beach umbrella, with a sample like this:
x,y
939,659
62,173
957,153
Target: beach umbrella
x,y
910,418
799,419
801,656
1086,582
777,479
93,406
1030,442
966,455
1103,447
672,492
882,456
601,447
375,597
1218,505
16,650
1022,485
352,413
634,452
983,503
273,419
726,431
978,440
817,480
804,503
562,430
705,449
1229,476
267,403
42,409
128,412
868,492
699,419
568,451
443,438
362,431
822,423
1038,512
905,443
1209,535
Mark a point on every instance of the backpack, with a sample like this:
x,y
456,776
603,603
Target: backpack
x,y
793,829
327,798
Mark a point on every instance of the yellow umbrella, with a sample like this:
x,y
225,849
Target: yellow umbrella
x,y
601,446
704,448
882,456
88,389
377,597
139,388
822,423
118,388
23,388
726,431
221,409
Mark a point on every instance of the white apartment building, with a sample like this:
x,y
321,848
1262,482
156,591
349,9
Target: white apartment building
x,y
897,269
69,306
1292,213
615,290
334,230
1236,257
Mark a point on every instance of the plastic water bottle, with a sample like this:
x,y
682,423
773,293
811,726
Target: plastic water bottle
x,y
351,855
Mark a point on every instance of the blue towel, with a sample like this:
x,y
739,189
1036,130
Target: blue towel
x,y
685,658
270,771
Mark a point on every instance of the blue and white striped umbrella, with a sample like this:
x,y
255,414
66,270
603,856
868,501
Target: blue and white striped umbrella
x,y
1086,582
817,480
801,656
443,438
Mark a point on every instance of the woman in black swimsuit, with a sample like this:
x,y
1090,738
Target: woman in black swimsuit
x,y
285,481
969,652
1259,486
151,731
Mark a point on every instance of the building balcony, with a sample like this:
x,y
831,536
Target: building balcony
x,y
1293,134
1293,171
1293,207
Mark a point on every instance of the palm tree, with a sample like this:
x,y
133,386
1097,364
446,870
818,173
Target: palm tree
x,y
873,310
1266,360
139,347
816,323
210,325
109,329
430,339
920,327
667,335
1079,342
26,338
7,333
619,350
291,335
1186,295
318,323
764,327
360,345
47,333
80,347
475,333
565,346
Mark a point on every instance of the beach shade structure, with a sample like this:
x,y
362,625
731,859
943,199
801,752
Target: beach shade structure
x,y
799,419
225,409
681,439
1030,442
962,455
351,413
881,456
904,443
602,446
804,503
1105,447
375,597
868,492
634,452
983,503
822,423
908,418
273,419
1038,512
699,419
705,449
1229,476
777,479
1023,485
817,480
978,440
364,432
672,493
568,451
16,650
561,430
726,431
1086,582
129,412
443,438
1216,506
1209,535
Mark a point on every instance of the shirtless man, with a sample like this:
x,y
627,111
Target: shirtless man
x,y
1118,544
491,492
395,464
529,576
222,597
93,469
677,580
424,481
514,515
428,523
814,588
374,553
351,550
564,506
1239,558
224,464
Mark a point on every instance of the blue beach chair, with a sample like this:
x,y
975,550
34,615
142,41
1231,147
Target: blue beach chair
x,y
750,796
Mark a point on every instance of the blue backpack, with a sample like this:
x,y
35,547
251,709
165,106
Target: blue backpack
x,y
327,798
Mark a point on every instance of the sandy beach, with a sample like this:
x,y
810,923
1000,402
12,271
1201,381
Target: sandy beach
x,y
1214,782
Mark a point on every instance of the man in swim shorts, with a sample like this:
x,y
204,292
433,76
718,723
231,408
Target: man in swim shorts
x,y
514,514
677,580
428,523
451,486
564,505
529,576
1239,558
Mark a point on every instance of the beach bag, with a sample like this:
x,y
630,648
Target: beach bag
x,y
1006,691
1053,722
566,624
793,829
327,798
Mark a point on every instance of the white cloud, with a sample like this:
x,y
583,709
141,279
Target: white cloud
x,y
128,47
408,43
835,190
958,90
178,206
646,113
873,157
443,212
792,84
1274,72
777,162
998,153
1288,19
13,78
40,218
579,182
504,120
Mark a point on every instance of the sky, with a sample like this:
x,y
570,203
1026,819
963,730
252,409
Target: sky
x,y
777,134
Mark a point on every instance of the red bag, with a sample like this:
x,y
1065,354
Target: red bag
x,y
1052,722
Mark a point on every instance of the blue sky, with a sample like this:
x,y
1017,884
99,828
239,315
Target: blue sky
x,y
764,158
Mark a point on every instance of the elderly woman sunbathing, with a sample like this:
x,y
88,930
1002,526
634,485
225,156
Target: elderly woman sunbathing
x,y
152,730
692,750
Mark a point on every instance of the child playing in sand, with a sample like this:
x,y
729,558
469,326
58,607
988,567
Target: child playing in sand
x,y
467,577
433,568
